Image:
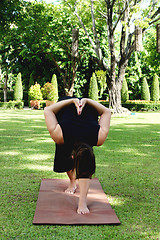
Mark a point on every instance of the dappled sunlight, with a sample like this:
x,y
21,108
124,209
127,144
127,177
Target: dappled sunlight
x,y
131,150
118,129
40,156
39,140
102,165
12,153
116,201
37,126
38,167
49,140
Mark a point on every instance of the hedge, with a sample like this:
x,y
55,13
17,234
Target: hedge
x,y
12,105
138,105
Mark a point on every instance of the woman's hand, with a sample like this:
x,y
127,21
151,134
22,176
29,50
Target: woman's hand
x,y
82,103
79,104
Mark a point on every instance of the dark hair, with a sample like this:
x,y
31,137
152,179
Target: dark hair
x,y
84,160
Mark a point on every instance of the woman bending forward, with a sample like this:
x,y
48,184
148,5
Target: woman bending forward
x,y
75,126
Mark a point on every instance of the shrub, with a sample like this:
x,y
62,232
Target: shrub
x,y
155,88
18,90
35,92
55,85
138,105
93,88
145,94
12,105
48,91
101,79
124,91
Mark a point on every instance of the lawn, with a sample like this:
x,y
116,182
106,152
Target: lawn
x,y
128,167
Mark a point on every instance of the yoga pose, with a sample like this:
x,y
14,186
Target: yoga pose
x,y
74,126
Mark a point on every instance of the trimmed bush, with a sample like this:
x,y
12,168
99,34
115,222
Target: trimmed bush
x,y
93,88
35,92
155,88
101,79
145,94
18,90
12,105
138,105
55,90
48,91
124,91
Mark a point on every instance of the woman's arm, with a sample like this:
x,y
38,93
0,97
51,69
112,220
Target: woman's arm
x,y
51,120
104,121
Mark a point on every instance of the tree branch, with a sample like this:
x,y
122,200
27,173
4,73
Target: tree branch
x,y
154,21
82,24
156,13
98,49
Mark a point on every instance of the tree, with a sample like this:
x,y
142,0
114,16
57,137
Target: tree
x,y
18,90
93,88
114,13
145,93
39,42
124,91
155,88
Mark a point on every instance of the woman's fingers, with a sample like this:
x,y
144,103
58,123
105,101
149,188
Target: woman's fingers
x,y
82,103
79,104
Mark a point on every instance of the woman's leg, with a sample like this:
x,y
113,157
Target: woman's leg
x,y
84,186
72,186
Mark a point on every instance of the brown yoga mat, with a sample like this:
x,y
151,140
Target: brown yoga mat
x,y
54,206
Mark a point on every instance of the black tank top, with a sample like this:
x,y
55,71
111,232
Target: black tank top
x,y
81,128
75,128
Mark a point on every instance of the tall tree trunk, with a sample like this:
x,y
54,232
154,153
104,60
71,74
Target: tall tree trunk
x,y
5,88
75,33
115,89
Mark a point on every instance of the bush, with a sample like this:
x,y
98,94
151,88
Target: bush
x,y
93,88
101,79
12,105
18,90
48,91
55,90
155,88
145,94
35,92
138,105
124,91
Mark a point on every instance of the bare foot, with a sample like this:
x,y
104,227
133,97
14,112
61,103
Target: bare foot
x,y
82,209
71,189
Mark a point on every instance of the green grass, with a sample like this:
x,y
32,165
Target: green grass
x,y
127,167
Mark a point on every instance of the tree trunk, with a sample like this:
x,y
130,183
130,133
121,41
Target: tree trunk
x,y
75,34
158,38
138,39
115,90
115,98
5,88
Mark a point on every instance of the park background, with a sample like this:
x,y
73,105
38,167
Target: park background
x,y
111,62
